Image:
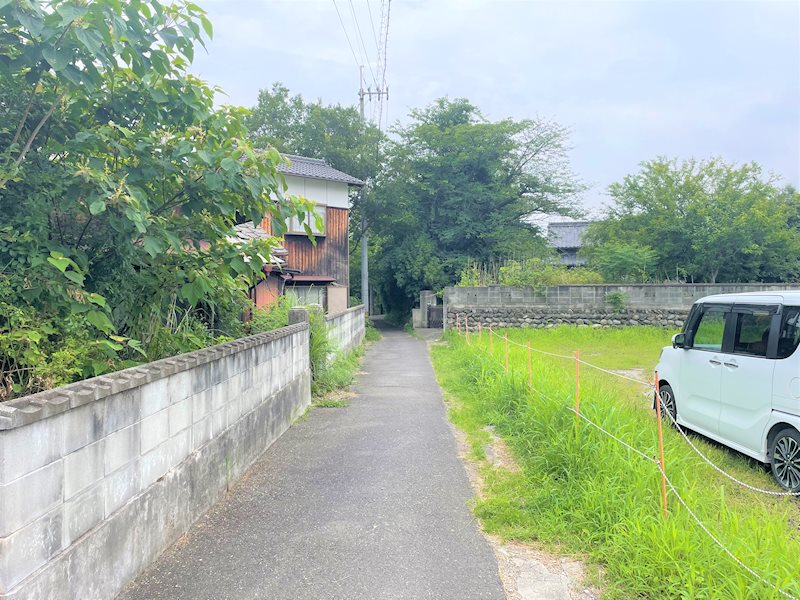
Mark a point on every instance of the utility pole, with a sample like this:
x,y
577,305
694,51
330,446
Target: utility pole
x,y
365,295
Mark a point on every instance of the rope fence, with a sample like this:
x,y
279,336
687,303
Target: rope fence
x,y
658,462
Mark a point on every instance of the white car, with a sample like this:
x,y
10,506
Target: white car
x,y
733,375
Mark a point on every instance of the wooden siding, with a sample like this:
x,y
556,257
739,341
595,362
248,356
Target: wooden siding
x,y
266,291
329,258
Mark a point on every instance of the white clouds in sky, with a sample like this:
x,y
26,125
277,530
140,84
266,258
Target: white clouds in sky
x,y
633,80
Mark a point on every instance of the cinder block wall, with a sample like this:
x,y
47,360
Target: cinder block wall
x,y
648,304
346,329
98,477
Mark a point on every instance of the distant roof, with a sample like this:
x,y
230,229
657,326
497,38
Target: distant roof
x,y
316,168
247,232
567,234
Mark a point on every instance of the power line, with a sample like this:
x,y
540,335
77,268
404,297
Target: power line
x,y
363,45
374,33
386,40
346,35
385,49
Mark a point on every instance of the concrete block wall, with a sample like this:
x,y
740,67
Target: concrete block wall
x,y
646,304
97,478
661,296
346,329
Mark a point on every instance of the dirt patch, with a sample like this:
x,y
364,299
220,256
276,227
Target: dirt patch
x,y
531,574
497,452
526,572
639,374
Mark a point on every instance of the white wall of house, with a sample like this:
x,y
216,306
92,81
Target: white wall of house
x,y
329,193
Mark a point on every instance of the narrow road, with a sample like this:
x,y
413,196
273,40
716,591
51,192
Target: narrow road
x,y
363,502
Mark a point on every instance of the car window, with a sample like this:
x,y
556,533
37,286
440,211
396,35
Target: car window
x,y
709,331
789,336
752,332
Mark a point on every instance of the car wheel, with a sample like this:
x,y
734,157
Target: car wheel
x,y
785,455
668,402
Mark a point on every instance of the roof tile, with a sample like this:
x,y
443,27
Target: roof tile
x,y
315,168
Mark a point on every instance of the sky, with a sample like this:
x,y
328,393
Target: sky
x,y
632,80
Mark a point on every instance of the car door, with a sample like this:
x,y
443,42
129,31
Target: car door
x,y
701,371
746,387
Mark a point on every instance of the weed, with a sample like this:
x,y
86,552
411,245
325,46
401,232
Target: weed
x,y
338,374
324,403
617,300
581,492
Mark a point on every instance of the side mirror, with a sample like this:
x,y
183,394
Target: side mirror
x,y
679,340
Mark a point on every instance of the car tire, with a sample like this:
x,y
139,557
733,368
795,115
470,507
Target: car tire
x,y
784,452
668,402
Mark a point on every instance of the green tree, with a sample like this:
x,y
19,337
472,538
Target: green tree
x,y
621,262
120,183
458,187
705,220
331,132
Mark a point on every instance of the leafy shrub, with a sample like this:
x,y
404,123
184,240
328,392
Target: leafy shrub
x,y
337,375
274,316
622,262
531,272
320,345
537,272
617,300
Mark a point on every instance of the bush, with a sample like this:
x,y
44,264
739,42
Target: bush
x,y
531,272
274,316
617,300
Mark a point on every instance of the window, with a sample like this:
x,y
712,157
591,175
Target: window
x,y
296,226
709,331
308,294
789,336
752,332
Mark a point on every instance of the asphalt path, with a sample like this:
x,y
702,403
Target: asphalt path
x,y
366,502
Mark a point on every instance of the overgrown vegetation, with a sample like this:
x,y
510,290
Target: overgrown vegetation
x,y
120,184
340,373
586,494
617,300
532,272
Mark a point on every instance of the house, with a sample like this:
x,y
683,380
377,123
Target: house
x,y
566,238
316,272
276,273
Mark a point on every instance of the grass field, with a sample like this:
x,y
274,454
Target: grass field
x,y
581,492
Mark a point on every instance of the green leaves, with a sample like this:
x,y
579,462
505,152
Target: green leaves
x,y
58,59
124,220
70,12
97,206
694,213
59,261
100,320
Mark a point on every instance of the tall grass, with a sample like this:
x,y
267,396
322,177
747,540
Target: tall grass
x,y
579,491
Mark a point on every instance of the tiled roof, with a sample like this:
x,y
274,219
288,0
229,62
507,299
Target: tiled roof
x,y
247,232
316,168
568,234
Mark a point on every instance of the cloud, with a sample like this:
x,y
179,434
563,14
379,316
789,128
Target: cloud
x,y
633,80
